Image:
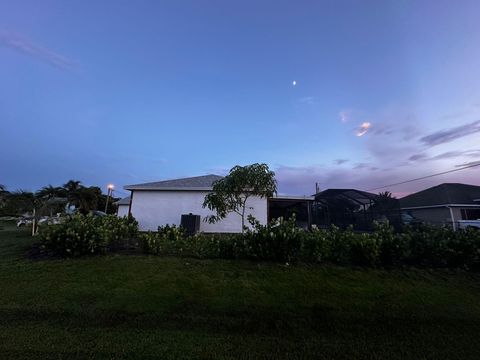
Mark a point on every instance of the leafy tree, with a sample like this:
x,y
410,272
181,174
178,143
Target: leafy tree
x,y
230,194
21,201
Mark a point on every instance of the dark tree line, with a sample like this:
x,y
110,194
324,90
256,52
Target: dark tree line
x,y
52,199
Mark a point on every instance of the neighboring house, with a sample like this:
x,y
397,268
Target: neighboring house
x,y
345,207
164,202
284,206
122,206
444,204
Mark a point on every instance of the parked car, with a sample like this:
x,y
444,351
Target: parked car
x,y
469,224
97,213
408,219
24,221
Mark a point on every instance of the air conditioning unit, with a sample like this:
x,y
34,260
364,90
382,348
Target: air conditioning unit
x,y
191,223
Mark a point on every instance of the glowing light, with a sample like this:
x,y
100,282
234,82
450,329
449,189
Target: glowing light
x,y
294,83
110,186
362,130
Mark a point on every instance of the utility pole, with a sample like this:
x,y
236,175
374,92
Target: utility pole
x,y
110,188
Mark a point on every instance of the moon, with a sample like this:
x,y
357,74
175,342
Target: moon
x,y
294,83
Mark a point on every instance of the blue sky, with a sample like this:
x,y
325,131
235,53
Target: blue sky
x,y
136,91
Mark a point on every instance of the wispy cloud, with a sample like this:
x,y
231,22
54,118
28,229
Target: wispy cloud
x,y
345,115
471,163
447,135
341,161
416,157
475,153
301,180
25,46
307,100
362,130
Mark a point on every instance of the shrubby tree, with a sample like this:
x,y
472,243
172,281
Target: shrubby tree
x,y
21,201
230,194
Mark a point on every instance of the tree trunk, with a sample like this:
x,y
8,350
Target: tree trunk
x,y
243,219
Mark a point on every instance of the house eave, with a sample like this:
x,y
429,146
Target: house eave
x,y
438,206
146,188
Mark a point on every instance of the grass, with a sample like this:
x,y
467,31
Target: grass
x,y
129,306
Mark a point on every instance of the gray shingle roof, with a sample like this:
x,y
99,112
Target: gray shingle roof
x,y
192,183
124,201
448,193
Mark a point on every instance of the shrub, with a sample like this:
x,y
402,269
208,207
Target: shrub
x,y
394,247
171,240
167,240
365,249
82,235
316,246
280,240
340,242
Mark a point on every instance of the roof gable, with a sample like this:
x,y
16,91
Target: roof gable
x,y
443,194
204,182
124,201
358,197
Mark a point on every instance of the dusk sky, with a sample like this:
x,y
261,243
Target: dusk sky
x,y
355,94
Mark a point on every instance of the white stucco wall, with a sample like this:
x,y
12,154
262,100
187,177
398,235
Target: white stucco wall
x,y
122,210
154,208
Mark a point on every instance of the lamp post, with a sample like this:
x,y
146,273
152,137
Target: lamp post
x,y
110,188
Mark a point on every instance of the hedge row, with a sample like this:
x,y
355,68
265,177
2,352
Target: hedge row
x,y
282,241
85,234
279,241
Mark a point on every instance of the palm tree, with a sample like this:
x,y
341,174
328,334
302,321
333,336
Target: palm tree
x,y
386,206
72,186
48,192
73,192
53,198
87,198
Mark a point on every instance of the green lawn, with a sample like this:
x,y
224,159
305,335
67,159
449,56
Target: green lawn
x,y
126,306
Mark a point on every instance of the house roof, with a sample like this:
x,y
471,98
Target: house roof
x,y
357,196
443,194
188,184
124,201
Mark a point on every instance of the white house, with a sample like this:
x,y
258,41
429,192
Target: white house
x,y
122,206
164,202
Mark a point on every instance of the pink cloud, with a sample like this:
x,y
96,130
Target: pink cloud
x,y
362,130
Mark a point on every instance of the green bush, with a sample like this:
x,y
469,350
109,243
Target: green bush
x,y
171,240
82,235
340,243
316,246
365,249
280,240
167,240
393,247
